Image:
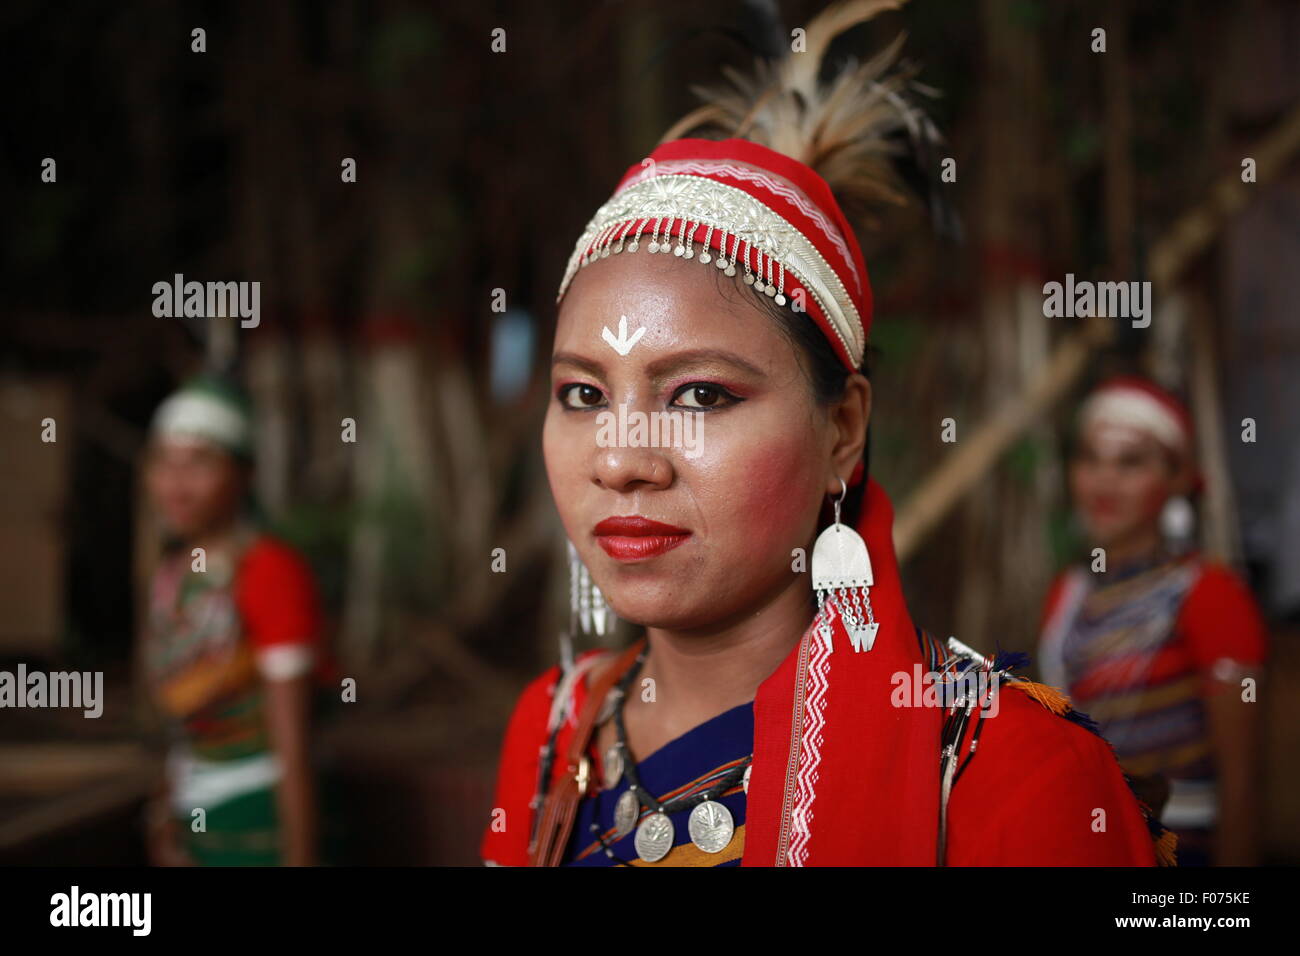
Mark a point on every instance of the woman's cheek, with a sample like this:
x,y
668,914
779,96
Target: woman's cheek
x,y
756,484
558,453
1154,498
1082,482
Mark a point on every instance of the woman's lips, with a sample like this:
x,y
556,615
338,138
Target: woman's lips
x,y
1102,508
631,537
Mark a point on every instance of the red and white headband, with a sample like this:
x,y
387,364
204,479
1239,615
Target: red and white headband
x,y
748,208
1137,403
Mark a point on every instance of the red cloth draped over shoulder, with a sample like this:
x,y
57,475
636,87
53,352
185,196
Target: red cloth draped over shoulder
x,y
1043,791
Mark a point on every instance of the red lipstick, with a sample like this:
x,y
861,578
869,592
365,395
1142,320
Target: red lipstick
x,y
1103,507
631,537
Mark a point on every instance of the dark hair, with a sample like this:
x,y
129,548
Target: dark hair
x,y
826,374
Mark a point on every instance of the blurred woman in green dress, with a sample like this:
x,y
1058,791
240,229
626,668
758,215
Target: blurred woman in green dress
x,y
230,652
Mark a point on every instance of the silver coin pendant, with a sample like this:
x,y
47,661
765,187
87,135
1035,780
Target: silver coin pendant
x,y
654,837
711,826
626,810
613,766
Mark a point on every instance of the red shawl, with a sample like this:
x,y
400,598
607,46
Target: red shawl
x,y
841,776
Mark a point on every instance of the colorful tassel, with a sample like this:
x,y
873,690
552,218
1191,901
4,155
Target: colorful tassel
x,y
1051,698
1167,849
1164,841
1010,660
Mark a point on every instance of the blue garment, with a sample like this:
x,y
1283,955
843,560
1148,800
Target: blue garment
x,y
690,763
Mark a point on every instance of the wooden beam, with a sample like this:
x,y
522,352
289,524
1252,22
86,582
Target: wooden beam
x,y
945,486
1193,232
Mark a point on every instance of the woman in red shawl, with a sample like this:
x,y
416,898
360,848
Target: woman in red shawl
x,y
1160,646
781,709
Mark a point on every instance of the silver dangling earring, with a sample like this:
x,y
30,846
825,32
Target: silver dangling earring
x,y
841,572
587,606
1178,522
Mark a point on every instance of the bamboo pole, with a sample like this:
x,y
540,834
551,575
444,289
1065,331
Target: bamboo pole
x,y
928,505
1193,232
1220,533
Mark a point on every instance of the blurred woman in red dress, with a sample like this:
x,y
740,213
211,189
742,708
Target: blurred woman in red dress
x,y
1159,646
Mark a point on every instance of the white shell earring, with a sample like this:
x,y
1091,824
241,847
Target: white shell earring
x,y
841,573
1178,521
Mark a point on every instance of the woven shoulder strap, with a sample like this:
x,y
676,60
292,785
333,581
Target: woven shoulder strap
x,y
561,804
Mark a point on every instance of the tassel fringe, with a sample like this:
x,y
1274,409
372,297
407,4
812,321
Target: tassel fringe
x,y
1047,695
1167,849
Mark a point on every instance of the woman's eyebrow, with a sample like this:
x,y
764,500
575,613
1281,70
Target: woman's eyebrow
x,y
662,367
578,361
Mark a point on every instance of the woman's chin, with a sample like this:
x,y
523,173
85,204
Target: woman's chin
x,y
1110,533
659,608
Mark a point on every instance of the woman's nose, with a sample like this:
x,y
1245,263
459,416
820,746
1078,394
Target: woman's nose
x,y
621,464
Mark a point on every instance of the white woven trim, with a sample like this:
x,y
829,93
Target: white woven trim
x,y
810,747
196,782
285,661
1191,803
786,190
1134,408
707,202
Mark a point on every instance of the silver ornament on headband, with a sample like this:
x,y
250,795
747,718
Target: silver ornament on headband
x,y
841,572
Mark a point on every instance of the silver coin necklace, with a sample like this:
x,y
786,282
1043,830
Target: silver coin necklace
x,y
711,825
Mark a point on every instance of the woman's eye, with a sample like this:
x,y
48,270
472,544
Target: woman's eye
x,y
703,396
580,396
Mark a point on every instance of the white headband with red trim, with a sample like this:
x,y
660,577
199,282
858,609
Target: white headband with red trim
x,y
1133,407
